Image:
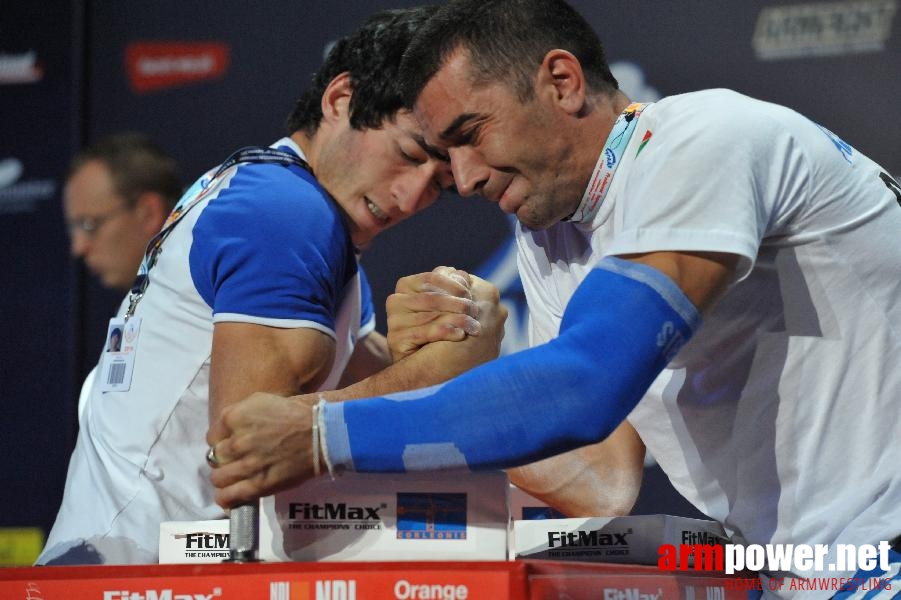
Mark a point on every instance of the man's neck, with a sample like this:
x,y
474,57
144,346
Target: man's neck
x,y
602,113
308,146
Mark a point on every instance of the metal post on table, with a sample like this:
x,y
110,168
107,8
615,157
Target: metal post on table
x,y
244,533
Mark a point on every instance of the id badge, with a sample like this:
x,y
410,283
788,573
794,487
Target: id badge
x,y
118,361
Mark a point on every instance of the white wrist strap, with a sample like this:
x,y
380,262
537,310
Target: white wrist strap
x,y
319,437
314,430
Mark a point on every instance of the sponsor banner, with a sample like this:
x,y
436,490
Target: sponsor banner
x,y
377,517
19,195
20,67
495,581
633,539
153,66
823,28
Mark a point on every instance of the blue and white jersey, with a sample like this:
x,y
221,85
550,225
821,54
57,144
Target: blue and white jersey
x,y
267,246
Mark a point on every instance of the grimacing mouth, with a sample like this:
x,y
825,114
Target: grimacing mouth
x,y
376,211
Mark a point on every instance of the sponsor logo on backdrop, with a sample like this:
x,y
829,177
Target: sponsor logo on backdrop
x,y
21,67
21,196
428,516
823,29
154,66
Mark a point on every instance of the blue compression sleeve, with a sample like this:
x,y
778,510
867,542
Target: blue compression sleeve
x,y
620,329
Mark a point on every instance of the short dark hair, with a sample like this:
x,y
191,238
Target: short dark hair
x,y
137,165
371,55
506,41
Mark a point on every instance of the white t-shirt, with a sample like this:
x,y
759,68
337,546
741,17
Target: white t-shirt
x,y
780,417
267,247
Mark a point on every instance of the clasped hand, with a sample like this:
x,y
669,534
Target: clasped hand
x,y
264,443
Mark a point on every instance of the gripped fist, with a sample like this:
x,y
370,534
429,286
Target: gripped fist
x,y
263,445
431,307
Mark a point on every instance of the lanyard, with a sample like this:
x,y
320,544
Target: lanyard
x,y
251,154
608,161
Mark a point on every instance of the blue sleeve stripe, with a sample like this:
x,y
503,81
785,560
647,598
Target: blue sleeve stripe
x,y
659,282
336,439
433,456
277,323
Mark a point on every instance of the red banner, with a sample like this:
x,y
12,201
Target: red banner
x,y
156,65
268,581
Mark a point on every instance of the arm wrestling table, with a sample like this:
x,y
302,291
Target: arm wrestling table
x,y
513,580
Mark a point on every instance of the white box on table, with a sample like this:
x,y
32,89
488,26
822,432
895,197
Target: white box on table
x,y
632,539
441,516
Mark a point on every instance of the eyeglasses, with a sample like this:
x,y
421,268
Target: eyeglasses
x,y
91,225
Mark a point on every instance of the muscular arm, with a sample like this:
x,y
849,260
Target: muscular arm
x,y
600,479
370,355
248,358
702,276
605,478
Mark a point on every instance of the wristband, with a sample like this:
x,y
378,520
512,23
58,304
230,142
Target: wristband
x,y
321,446
314,431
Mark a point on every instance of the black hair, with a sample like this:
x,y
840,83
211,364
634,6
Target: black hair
x,y
137,165
506,40
371,55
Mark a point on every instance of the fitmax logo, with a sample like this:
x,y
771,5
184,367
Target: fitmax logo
x,y
166,594
700,537
630,594
336,512
585,538
214,541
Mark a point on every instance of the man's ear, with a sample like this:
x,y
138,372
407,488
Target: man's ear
x,y
336,98
151,211
561,74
